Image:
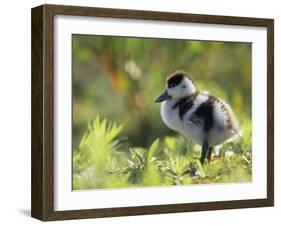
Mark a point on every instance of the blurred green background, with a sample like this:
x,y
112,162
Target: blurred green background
x,y
120,77
116,125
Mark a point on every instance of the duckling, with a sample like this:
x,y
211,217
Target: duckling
x,y
205,119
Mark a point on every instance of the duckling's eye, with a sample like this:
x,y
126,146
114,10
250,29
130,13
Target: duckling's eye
x,y
183,86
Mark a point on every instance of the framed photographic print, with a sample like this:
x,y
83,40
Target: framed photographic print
x,y
141,112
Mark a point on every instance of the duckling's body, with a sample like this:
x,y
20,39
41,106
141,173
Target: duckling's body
x,y
205,119
198,117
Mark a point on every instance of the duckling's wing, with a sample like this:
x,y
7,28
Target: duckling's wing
x,y
229,119
232,122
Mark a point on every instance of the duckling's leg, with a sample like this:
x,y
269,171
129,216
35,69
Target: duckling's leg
x,y
209,155
205,148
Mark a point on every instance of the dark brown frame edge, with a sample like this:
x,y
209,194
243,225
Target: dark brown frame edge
x,y
42,197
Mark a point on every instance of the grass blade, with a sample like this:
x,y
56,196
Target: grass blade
x,y
152,149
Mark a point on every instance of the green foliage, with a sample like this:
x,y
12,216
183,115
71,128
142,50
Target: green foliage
x,y
152,150
96,149
100,162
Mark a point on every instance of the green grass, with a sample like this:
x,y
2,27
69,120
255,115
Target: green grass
x,y
101,161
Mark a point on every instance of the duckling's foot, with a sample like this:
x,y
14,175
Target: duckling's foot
x,y
192,170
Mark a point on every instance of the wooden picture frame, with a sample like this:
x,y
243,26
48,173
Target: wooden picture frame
x,y
42,204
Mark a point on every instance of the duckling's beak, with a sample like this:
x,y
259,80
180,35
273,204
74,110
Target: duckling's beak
x,y
162,97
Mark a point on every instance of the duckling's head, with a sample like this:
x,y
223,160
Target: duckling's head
x,y
178,85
